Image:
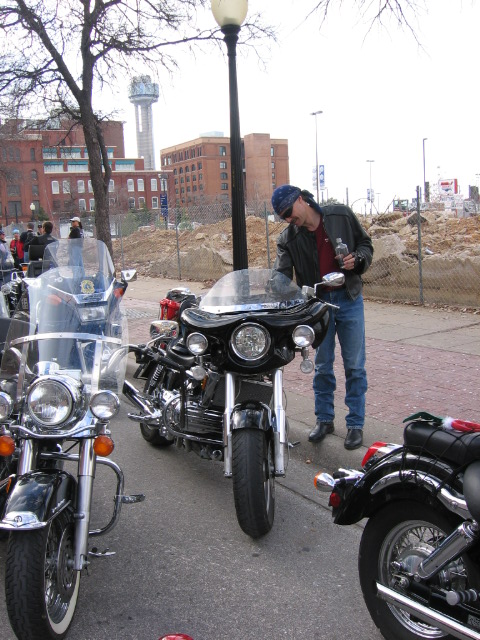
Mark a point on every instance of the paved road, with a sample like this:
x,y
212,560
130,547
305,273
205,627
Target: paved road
x,y
183,563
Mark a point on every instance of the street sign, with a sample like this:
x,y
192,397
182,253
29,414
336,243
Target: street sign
x,y
164,205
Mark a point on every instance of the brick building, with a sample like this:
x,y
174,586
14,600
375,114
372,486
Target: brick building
x,y
198,171
49,169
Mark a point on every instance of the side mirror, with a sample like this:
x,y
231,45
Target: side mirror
x,y
128,275
334,279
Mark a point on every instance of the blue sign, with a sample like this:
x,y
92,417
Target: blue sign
x,y
321,176
164,205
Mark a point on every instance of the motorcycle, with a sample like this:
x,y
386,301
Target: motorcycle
x,y
419,562
216,387
61,375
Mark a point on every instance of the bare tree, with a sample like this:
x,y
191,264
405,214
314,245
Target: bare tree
x,y
54,55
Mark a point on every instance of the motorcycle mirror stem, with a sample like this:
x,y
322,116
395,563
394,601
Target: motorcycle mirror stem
x,y
333,279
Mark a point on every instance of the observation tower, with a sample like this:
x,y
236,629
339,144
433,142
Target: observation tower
x,y
142,93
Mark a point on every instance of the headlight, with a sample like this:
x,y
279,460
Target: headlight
x,y
303,335
104,405
197,343
51,402
250,341
6,405
92,314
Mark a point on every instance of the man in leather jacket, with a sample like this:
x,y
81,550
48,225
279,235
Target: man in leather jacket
x,y
306,249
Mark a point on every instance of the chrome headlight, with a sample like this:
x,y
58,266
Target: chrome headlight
x,y
104,405
92,314
303,335
51,402
197,343
6,405
250,341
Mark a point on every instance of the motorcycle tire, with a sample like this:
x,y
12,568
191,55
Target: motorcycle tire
x,y
152,434
41,587
407,531
253,480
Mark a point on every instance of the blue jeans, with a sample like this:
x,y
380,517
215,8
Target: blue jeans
x,y
348,322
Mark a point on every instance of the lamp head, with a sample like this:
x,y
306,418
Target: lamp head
x,y
229,12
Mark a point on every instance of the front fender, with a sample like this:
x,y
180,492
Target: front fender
x,y
398,476
251,415
36,498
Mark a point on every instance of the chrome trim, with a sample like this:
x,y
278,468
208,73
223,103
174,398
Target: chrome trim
x,y
87,430
28,521
280,434
227,424
64,335
450,500
426,614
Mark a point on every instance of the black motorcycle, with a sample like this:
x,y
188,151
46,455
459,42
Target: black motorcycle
x,y
419,562
217,385
61,375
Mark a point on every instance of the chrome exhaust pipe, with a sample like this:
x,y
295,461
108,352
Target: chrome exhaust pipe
x,y
430,616
139,400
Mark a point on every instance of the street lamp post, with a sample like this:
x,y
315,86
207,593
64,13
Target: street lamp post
x,y
424,181
315,114
370,161
230,15
32,209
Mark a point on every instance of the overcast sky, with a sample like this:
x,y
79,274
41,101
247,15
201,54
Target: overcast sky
x,y
380,93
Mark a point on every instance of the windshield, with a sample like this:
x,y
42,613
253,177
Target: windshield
x,y
252,290
68,321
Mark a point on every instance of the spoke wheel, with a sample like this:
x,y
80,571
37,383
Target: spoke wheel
x,y
41,585
406,533
253,481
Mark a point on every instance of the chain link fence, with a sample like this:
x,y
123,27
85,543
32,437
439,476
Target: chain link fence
x,y
436,263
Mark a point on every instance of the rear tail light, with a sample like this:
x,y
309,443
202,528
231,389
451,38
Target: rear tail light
x,y
379,450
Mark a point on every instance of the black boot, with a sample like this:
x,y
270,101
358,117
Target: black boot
x,y
320,431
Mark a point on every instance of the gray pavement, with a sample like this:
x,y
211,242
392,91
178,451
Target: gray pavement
x,y
418,358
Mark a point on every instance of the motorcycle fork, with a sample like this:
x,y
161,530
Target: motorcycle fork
x,y
279,424
86,476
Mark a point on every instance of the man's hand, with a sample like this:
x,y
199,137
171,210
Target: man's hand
x,y
348,261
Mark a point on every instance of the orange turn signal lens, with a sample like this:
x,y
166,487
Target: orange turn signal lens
x,y
103,446
7,445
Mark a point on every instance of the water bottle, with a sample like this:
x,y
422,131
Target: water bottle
x,y
341,249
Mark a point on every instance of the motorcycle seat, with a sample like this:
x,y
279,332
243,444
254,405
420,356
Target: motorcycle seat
x,y
457,447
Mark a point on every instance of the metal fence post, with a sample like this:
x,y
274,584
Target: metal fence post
x,y
119,227
178,247
268,235
419,237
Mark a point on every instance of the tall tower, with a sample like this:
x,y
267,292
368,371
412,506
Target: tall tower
x,y
142,93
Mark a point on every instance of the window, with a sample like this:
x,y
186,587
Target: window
x,y
111,186
66,186
272,152
182,179
194,178
187,179
222,151
153,184
273,165
223,165
81,186
130,185
154,202
187,169
49,153
124,165
224,186
35,191
70,152
180,170
223,176
13,189
141,202
92,204
78,166
90,188
140,184
163,184
200,176
55,186
32,154
53,167
131,203
34,174
193,167
82,205
199,166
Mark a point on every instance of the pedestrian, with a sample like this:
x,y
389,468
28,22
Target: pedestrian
x,y
26,237
76,230
16,249
307,247
6,259
45,238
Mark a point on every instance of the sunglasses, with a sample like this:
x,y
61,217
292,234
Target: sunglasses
x,y
286,214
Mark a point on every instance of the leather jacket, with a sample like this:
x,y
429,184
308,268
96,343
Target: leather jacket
x,y
297,248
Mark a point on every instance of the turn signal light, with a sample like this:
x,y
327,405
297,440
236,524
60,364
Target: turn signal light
x,y
7,445
103,446
176,636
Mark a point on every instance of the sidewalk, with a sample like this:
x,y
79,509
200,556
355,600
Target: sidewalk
x,y
417,359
